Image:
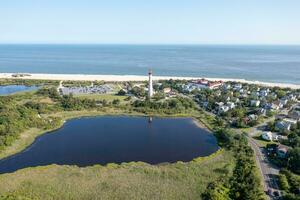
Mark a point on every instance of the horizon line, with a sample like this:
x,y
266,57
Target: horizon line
x,y
150,44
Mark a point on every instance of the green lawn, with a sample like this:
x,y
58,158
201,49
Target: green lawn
x,y
126,181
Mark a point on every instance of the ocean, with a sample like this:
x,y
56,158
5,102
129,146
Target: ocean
x,y
250,62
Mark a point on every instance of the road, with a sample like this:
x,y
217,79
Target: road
x,y
269,172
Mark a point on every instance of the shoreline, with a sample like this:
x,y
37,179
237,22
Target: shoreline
x,y
121,78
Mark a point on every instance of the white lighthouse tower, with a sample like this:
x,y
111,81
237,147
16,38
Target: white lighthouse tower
x,y
150,85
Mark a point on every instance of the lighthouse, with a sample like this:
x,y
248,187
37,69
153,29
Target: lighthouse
x,y
150,85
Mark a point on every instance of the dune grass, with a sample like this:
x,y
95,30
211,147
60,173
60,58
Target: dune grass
x,y
126,181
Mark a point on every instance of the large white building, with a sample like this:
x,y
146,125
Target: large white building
x,y
150,85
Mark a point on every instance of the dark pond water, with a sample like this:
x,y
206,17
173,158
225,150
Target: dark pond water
x,y
10,89
102,140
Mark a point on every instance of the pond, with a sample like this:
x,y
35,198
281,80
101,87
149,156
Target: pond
x,y
11,89
116,139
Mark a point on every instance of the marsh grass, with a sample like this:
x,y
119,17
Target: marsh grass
x,y
135,180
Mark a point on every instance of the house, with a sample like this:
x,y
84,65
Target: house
x,y
283,101
237,86
280,117
283,126
223,109
202,84
282,151
253,117
227,87
292,97
231,105
255,103
272,106
219,104
290,121
254,94
167,90
274,95
295,115
262,111
278,105
264,93
267,136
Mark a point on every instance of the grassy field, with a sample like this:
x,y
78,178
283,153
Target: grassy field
x,y
107,97
125,181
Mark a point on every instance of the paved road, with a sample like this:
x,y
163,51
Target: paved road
x,y
269,172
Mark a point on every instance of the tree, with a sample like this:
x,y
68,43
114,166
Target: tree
x,y
121,92
216,191
116,102
294,160
280,93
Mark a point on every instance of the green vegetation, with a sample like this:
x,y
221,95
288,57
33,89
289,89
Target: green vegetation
x,y
170,106
15,118
290,184
244,183
126,181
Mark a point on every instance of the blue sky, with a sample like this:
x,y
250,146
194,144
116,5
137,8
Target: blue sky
x,y
150,22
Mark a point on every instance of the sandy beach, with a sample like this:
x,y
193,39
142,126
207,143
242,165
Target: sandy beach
x,y
120,78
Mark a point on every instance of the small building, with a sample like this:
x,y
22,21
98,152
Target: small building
x,y
282,151
255,103
167,90
264,93
292,97
283,101
223,109
283,126
277,105
290,121
253,117
237,86
295,115
231,105
268,136
262,111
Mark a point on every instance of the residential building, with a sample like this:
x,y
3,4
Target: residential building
x,y
267,136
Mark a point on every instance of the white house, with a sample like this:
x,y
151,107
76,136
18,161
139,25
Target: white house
x,y
267,136
223,109
255,103
238,86
264,93
231,105
283,101
290,121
